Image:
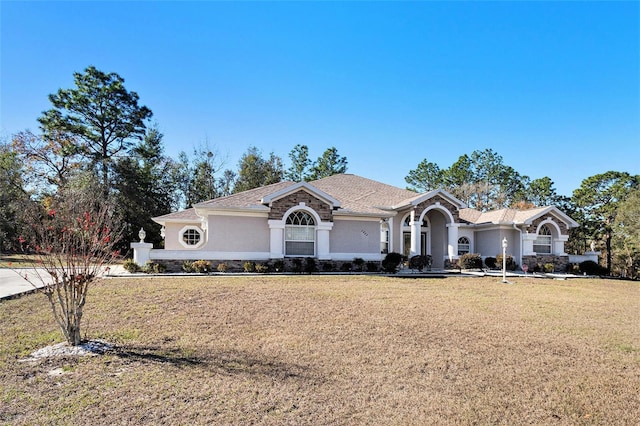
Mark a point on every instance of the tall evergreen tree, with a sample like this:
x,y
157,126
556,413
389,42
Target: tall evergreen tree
x,y
330,163
481,180
13,198
144,187
426,177
626,240
300,163
598,199
254,171
101,114
541,192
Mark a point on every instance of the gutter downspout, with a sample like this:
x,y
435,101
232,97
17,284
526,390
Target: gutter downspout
x,y
520,254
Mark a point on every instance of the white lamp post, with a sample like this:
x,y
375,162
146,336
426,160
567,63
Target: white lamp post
x,y
504,260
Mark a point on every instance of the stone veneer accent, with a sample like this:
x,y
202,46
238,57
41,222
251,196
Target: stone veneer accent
x,y
444,203
560,263
564,230
290,265
280,206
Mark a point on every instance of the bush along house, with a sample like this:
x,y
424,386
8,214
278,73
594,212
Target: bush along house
x,y
343,217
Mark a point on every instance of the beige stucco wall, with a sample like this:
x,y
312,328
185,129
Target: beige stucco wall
x,y
489,242
355,236
470,234
238,234
172,233
438,234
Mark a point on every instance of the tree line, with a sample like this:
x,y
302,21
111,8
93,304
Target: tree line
x,y
98,138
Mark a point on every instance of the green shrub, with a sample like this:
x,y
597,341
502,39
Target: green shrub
x,y
278,266
470,261
262,268
249,267
590,267
549,267
131,266
310,265
511,265
490,262
391,261
346,267
327,267
297,265
201,266
419,262
187,266
147,268
373,267
359,263
222,267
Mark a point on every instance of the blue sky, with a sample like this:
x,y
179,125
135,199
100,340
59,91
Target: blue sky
x,y
553,87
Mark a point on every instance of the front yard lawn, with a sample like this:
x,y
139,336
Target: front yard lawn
x,y
332,350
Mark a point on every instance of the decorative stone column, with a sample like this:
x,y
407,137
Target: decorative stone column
x,y
141,252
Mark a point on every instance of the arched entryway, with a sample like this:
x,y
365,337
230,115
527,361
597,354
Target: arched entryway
x,y
438,237
431,232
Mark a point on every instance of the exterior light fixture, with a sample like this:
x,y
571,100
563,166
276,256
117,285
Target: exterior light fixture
x,y
504,260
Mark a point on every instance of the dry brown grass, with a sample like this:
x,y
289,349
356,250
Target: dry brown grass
x,y
333,350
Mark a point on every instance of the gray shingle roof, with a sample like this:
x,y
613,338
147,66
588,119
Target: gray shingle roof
x,y
246,199
185,215
360,195
357,196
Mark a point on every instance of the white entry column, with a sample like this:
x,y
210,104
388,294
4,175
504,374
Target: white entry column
x,y
452,244
415,234
323,241
276,241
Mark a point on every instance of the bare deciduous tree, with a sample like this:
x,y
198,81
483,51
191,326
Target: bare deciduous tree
x,y
72,241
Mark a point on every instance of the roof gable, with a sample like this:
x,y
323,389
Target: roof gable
x,y
420,198
305,186
528,216
512,216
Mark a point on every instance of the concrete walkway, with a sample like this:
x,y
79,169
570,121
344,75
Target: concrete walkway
x,y
12,282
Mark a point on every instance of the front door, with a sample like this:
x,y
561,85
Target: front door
x,y
406,238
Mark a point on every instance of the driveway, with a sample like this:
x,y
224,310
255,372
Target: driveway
x,y
12,284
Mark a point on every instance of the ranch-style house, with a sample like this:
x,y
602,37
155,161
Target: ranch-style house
x,y
344,216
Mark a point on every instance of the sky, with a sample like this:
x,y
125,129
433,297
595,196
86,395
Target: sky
x,y
552,87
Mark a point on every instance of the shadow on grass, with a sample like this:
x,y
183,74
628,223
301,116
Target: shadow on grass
x,y
239,363
228,362
157,355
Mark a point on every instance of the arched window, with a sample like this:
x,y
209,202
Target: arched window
x,y
542,244
407,221
464,246
300,234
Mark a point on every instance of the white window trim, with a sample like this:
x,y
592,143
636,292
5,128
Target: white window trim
x,y
191,246
538,240
467,244
313,228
